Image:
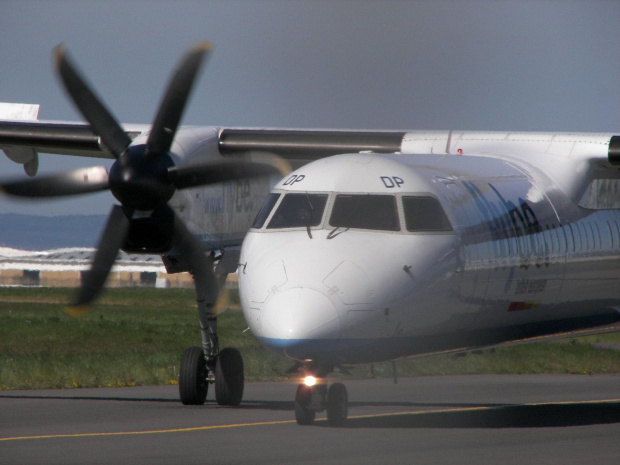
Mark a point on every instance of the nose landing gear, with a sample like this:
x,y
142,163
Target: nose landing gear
x,y
337,404
316,398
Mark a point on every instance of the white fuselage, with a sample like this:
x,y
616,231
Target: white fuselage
x,y
481,250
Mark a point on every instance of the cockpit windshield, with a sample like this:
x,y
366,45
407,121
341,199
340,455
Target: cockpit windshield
x,y
377,212
299,210
424,214
265,210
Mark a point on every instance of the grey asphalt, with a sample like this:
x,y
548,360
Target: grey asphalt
x,y
444,419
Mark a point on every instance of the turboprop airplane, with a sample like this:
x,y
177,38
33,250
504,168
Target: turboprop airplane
x,y
380,245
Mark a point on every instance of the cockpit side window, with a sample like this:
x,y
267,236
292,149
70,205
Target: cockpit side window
x,y
377,212
265,210
424,214
299,210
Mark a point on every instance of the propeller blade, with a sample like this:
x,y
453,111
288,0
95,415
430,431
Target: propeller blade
x,y
201,267
193,175
99,117
222,303
75,182
174,101
109,245
189,248
205,283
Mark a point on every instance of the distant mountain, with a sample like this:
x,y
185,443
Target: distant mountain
x,y
30,232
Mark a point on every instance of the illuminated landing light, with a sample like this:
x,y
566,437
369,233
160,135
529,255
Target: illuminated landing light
x,y
309,381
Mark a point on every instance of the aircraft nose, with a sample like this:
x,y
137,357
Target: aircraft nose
x,y
299,315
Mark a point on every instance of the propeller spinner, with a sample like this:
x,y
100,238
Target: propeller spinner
x,y
143,177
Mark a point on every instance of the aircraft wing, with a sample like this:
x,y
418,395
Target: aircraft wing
x,y
300,144
54,137
23,139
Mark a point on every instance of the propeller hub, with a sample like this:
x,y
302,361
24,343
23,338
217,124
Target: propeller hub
x,y
139,180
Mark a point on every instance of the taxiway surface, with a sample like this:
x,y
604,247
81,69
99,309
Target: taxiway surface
x,y
445,419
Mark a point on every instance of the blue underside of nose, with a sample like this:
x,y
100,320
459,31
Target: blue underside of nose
x,y
336,351
305,349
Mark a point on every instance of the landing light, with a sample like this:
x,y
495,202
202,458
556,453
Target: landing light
x,y
309,381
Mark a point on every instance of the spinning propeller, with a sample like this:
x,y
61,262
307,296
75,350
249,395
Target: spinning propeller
x,y
143,178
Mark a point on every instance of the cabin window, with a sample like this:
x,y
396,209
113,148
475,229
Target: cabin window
x,y
265,210
424,214
376,212
299,210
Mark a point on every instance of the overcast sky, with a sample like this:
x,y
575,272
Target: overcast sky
x,y
471,65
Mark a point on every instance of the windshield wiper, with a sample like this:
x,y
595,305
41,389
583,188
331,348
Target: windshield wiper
x,y
336,232
309,217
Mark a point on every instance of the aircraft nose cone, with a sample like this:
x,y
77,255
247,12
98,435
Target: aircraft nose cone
x,y
297,315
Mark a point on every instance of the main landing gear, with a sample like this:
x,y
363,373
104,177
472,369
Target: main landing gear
x,y
198,371
312,398
201,366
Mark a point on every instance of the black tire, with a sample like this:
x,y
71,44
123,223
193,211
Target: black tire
x,y
337,404
229,377
193,385
303,413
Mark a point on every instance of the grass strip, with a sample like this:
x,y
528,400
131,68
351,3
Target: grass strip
x,y
136,337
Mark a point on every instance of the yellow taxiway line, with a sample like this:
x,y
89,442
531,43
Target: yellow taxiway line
x,y
283,422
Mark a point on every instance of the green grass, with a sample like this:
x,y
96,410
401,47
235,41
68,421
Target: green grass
x,y
574,357
132,337
136,337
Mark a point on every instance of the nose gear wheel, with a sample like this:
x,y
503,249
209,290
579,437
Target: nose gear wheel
x,y
309,400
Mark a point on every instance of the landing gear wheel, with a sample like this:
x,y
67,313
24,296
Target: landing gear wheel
x,y
229,377
337,404
303,413
193,383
